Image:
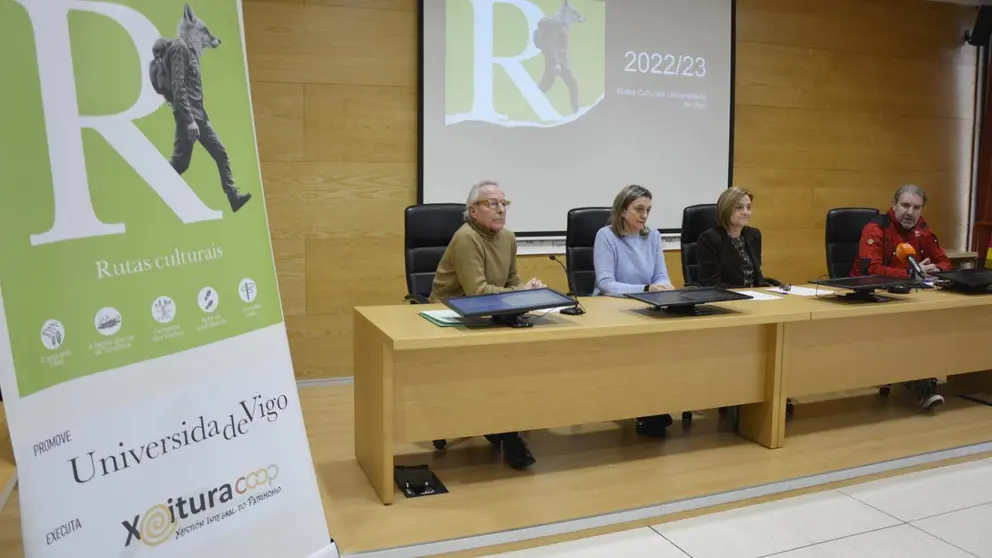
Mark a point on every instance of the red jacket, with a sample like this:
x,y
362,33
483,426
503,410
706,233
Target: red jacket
x,y
880,238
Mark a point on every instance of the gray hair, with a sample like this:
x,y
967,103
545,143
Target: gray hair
x,y
909,189
473,194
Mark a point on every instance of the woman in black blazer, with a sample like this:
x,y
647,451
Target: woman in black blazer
x,y
730,253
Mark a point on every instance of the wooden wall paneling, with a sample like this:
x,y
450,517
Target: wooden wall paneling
x,y
347,201
793,255
321,345
783,198
278,111
871,83
401,5
673,262
774,75
291,269
896,28
361,123
319,44
550,273
342,274
769,137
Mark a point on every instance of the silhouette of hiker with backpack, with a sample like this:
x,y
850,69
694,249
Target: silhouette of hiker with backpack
x,y
551,38
175,74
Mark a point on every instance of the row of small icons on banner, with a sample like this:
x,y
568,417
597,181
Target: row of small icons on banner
x,y
108,320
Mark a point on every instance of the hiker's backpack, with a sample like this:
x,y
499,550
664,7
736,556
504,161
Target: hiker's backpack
x,y
158,70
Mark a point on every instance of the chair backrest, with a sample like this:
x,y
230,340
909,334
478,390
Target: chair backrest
x,y
696,219
580,237
843,233
428,231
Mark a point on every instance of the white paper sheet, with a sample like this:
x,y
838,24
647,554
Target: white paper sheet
x,y
758,295
803,291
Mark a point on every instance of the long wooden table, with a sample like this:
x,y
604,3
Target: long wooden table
x,y
415,381
922,335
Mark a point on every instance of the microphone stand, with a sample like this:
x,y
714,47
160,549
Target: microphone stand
x,y
576,310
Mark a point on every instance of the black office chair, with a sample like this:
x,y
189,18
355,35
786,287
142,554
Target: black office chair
x,y
696,219
580,237
428,229
842,235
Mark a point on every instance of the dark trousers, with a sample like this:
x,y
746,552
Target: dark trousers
x,y
557,65
182,150
919,388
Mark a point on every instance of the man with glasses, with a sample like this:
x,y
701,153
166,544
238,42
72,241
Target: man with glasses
x,y
482,259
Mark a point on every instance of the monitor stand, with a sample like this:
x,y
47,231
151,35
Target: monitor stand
x,y
864,296
573,310
683,310
512,320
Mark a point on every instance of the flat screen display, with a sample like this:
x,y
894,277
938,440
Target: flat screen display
x,y
686,297
866,282
516,302
978,277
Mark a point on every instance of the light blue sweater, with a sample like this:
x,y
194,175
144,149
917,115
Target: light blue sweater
x,y
626,264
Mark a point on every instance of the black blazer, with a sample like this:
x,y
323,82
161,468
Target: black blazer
x,y
720,264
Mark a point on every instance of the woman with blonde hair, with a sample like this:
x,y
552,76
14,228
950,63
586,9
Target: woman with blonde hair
x,y
628,259
627,253
730,252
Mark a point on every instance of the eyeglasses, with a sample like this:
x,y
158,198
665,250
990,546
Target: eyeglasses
x,y
493,204
641,210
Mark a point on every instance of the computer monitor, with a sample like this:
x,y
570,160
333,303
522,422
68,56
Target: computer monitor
x,y
863,287
507,308
976,280
686,301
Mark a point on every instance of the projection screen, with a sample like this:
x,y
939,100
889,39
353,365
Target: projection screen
x,y
566,102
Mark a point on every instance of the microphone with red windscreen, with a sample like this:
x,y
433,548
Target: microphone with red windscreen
x,y
906,254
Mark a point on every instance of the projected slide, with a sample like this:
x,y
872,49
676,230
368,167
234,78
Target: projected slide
x,y
564,102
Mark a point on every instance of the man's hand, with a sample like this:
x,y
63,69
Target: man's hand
x,y
193,130
928,267
534,283
660,287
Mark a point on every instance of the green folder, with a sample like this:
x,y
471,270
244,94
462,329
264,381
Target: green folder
x,y
443,318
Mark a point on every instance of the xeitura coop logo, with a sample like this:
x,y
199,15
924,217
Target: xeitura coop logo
x,y
132,203
182,515
537,63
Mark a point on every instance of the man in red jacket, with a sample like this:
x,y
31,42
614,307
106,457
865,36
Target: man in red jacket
x,y
876,255
903,223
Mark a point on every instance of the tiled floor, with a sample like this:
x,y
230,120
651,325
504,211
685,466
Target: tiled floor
x,y
940,513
